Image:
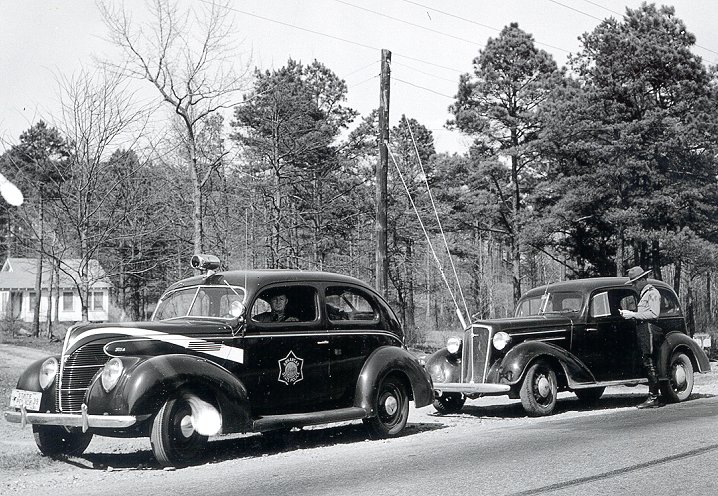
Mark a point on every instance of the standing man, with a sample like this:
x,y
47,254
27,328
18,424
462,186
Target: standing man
x,y
648,334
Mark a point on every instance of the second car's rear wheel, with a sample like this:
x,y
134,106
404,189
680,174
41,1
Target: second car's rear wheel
x,y
680,378
391,409
538,390
175,442
449,403
589,395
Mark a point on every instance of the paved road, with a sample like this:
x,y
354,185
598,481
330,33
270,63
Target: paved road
x,y
618,451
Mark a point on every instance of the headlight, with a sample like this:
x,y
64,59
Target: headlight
x,y
111,374
500,340
453,345
48,371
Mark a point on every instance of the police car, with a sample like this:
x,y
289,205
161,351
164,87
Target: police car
x,y
216,358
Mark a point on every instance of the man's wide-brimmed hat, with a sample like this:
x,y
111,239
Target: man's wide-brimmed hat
x,y
636,273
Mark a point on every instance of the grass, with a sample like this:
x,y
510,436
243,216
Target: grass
x,y
39,343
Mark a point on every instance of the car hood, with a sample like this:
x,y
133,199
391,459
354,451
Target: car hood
x,y
138,337
514,325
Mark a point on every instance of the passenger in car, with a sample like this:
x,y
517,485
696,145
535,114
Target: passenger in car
x,y
278,303
647,333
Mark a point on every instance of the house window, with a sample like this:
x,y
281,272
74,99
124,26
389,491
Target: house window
x,y
98,300
68,301
32,296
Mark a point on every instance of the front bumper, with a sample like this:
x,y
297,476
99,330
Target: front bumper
x,y
470,388
83,420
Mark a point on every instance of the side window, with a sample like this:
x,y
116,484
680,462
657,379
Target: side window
x,y
285,304
609,302
669,303
345,303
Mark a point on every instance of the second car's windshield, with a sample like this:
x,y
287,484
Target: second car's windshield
x,y
549,302
223,302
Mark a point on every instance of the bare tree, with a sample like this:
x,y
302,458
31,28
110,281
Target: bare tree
x,y
189,57
97,116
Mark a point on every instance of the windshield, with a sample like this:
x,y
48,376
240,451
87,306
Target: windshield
x,y
560,302
222,302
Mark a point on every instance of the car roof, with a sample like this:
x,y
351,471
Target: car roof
x,y
587,285
253,280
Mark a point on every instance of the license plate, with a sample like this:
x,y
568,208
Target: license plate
x,y
29,399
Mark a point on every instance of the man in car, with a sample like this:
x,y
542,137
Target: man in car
x,y
278,303
647,333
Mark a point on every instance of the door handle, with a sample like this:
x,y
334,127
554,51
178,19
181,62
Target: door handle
x,y
593,329
322,342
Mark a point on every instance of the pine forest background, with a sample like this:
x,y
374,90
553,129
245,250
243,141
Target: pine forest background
x,y
576,171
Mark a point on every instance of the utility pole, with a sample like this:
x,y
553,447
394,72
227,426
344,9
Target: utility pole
x,y
382,261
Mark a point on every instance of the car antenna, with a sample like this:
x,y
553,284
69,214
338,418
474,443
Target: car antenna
x,y
544,298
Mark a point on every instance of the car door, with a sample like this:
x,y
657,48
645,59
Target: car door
x,y
607,342
286,367
355,329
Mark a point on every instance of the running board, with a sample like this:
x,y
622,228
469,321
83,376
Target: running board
x,y
271,422
589,385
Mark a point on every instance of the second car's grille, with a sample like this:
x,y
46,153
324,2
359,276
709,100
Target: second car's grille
x,y
76,374
475,354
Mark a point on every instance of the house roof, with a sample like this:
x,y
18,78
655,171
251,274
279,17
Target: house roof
x,y
20,273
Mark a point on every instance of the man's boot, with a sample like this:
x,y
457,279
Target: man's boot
x,y
653,401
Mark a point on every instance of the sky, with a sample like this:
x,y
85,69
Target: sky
x,y
432,42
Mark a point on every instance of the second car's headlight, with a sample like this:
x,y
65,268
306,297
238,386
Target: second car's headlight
x,y
111,373
48,371
500,340
453,345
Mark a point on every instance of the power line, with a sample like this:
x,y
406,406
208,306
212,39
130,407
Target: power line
x,y
471,21
618,14
576,10
365,81
424,72
422,87
337,38
603,7
435,31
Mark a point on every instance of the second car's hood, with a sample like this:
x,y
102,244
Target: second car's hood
x,y
534,323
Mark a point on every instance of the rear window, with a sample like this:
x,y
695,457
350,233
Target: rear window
x,y
669,304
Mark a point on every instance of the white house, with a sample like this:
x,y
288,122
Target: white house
x,y
17,291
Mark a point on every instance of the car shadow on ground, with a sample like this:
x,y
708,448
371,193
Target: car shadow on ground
x,y
239,446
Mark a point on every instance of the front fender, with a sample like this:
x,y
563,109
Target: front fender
x,y
387,360
514,364
444,367
147,383
677,341
29,380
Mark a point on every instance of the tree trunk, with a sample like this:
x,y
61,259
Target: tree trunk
x,y
38,295
410,319
48,315
677,277
516,228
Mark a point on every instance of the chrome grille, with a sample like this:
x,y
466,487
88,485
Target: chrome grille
x,y
76,375
474,355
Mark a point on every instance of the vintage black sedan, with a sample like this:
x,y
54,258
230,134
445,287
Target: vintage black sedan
x,y
226,352
564,336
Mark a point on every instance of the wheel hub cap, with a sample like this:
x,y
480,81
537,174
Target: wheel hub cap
x,y
543,387
391,405
186,426
679,375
